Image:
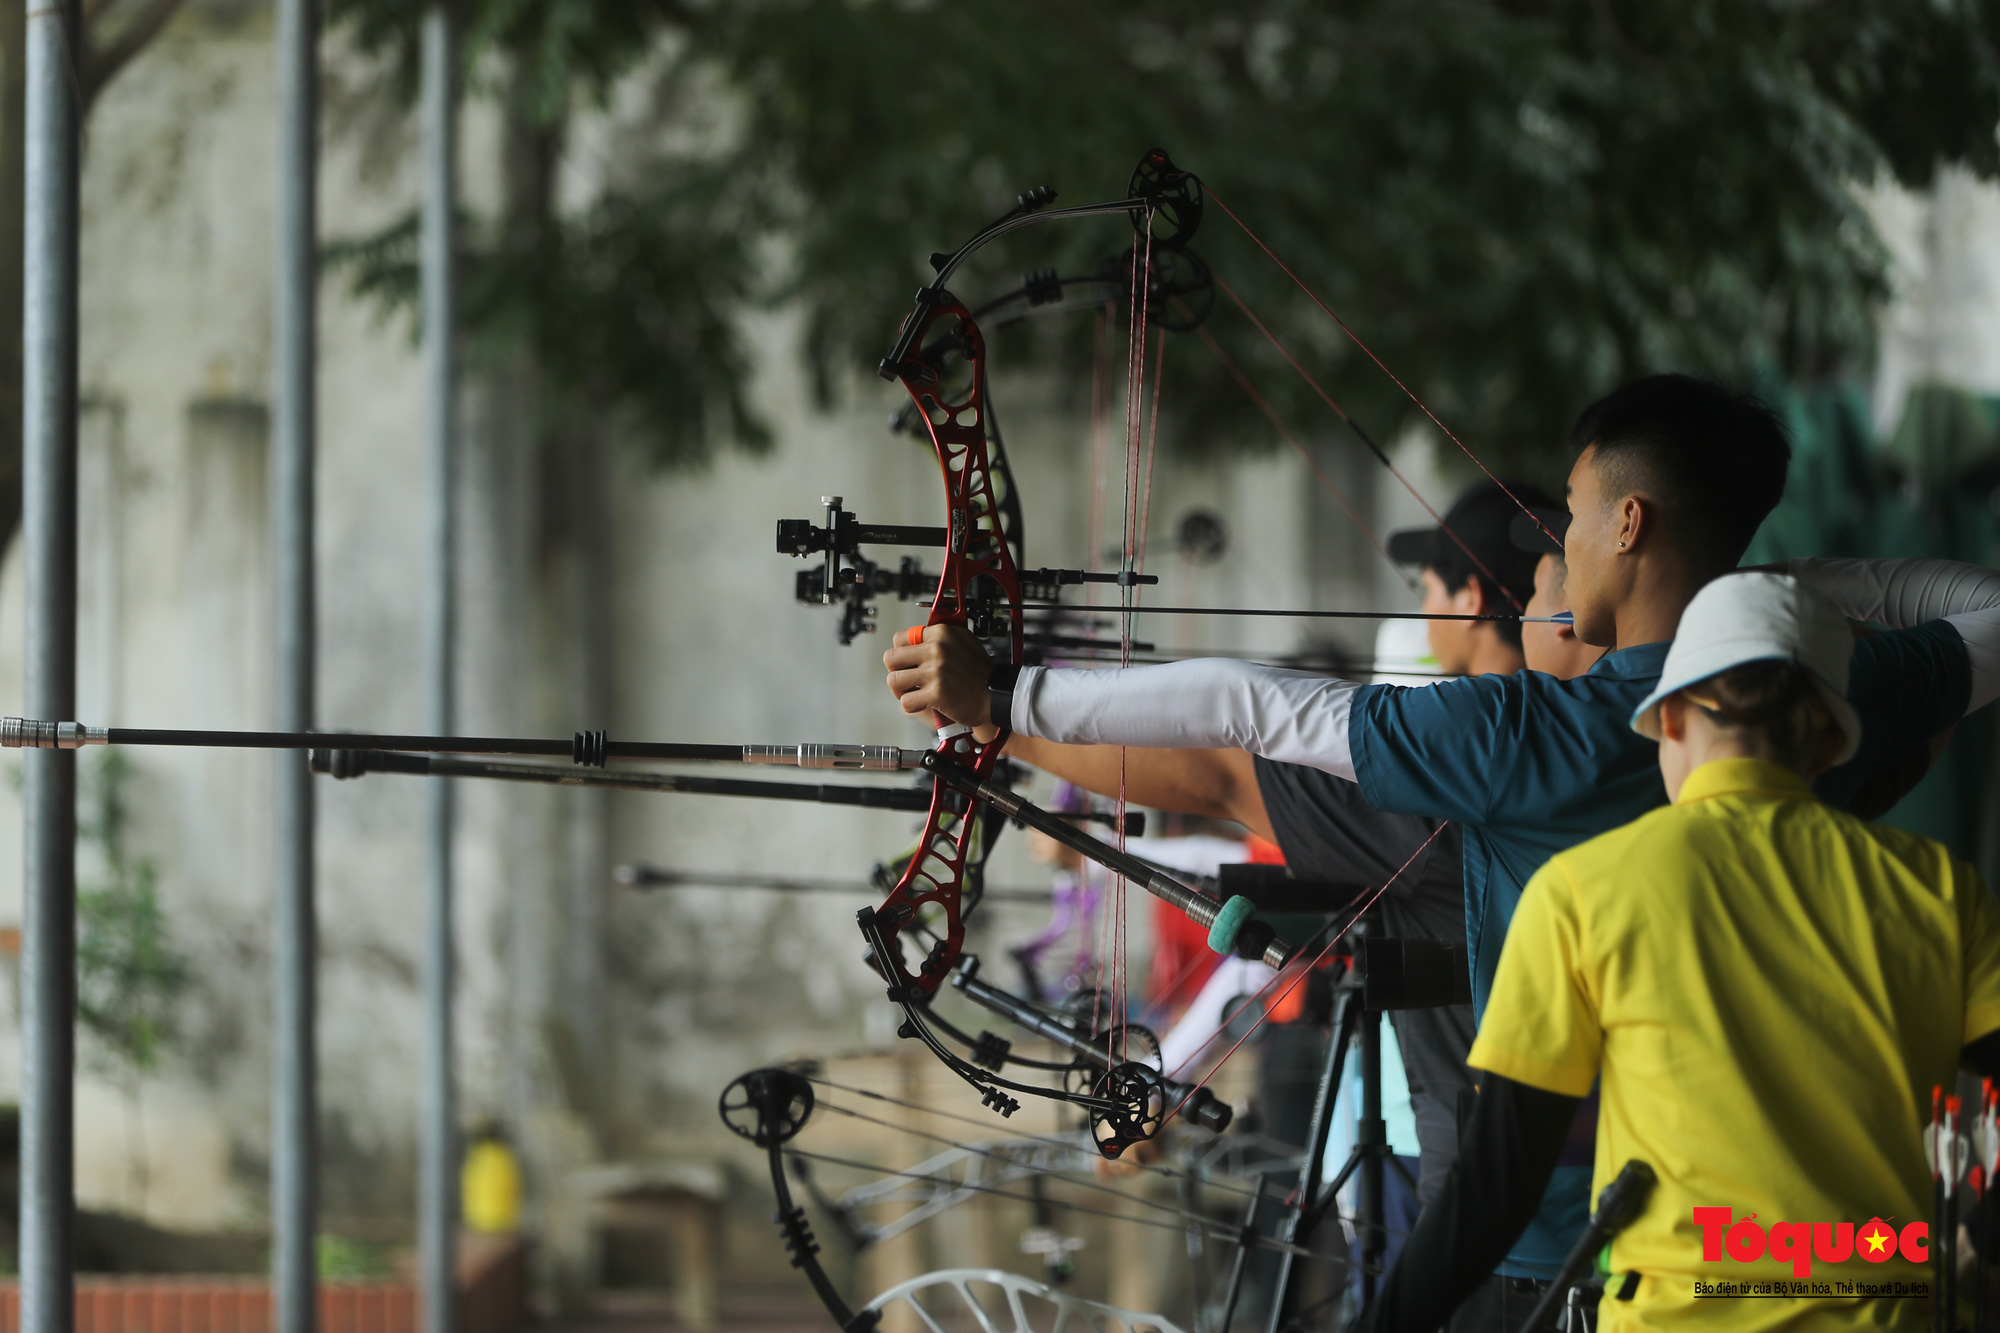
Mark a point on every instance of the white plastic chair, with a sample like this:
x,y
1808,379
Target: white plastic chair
x,y
946,1303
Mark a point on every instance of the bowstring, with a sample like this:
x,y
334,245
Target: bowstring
x,y
1100,455
1379,362
1082,1149
1134,593
1100,471
1137,334
1152,458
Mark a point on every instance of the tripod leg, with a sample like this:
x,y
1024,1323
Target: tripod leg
x,y
1291,1229
1371,1141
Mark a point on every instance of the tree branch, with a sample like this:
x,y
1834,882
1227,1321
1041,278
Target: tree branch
x,y
102,63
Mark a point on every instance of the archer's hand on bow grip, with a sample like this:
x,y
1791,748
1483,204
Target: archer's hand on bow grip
x,y
942,669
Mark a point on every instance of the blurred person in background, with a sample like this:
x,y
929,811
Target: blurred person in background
x,y
490,1182
1077,921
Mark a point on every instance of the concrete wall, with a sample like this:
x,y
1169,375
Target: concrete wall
x,y
595,1022
1944,325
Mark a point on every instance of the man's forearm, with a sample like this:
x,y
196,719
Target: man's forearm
x,y
1207,703
1902,593
1216,784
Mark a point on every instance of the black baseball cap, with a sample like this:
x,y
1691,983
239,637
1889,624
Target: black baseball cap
x,y
1540,530
1482,520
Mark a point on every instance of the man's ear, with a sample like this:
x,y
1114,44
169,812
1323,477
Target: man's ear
x,y
1638,516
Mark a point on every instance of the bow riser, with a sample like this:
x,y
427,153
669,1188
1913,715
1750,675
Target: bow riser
x,y
979,571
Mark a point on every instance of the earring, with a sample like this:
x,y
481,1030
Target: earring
x,y
1621,543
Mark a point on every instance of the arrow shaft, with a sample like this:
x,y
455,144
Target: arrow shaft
x,y
1328,615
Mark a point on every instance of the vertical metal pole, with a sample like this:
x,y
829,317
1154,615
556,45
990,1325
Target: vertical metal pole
x,y
48,438
437,1221
294,1108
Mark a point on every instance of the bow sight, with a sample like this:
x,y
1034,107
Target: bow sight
x,y
849,579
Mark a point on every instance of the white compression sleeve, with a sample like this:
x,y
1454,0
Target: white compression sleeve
x,y
1901,593
1293,717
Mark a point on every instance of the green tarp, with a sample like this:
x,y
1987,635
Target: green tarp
x,y
1931,489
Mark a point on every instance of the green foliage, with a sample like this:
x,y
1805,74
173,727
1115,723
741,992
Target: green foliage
x,y
628,307
129,975
557,48
629,310
342,1260
1517,205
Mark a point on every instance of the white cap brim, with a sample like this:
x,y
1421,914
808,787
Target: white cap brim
x,y
1715,658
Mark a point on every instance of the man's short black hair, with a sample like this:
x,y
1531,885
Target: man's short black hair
x,y
1715,459
1482,520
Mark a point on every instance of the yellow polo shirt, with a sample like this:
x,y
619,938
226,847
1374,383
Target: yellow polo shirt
x,y
1769,989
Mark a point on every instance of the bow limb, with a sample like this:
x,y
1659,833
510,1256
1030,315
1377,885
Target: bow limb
x,y
769,1107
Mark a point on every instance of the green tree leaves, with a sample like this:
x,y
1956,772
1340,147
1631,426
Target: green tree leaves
x,y
1518,205
129,974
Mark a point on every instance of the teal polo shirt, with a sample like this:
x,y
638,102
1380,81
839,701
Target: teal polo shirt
x,y
1531,765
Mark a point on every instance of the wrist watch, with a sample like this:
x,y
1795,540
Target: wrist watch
x,y
1000,694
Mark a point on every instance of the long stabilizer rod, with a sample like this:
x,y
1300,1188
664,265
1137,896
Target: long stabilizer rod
x,y
586,747
356,763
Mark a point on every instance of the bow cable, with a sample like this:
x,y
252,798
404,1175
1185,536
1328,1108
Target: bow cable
x,y
1299,975
1285,432
1376,449
1039,1140
1382,365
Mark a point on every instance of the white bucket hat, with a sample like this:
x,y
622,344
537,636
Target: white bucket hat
x,y
1757,617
